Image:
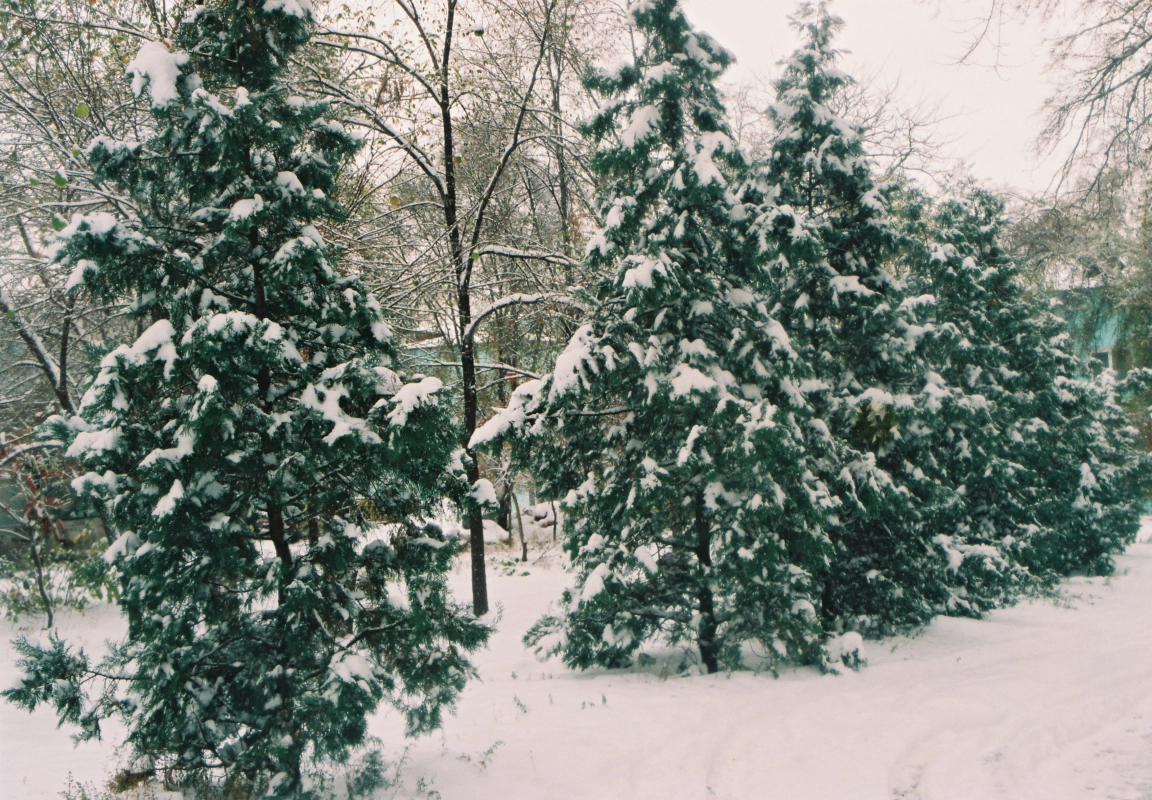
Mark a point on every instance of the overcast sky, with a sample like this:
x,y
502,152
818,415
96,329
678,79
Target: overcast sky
x,y
997,112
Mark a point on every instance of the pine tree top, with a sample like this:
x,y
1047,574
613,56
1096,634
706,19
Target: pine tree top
x,y
817,163
663,141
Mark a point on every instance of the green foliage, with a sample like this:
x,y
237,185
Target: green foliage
x,y
672,426
74,579
825,223
269,471
1039,473
932,446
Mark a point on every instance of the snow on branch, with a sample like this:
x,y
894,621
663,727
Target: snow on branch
x,y
515,139
157,68
518,300
527,255
374,120
497,367
39,350
28,448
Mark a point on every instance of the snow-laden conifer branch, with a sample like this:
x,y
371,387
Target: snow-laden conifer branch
x,y
608,412
369,632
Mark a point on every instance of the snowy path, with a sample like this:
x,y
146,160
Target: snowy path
x,y
1040,701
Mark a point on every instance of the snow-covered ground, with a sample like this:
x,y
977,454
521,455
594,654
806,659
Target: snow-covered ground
x,y
1046,700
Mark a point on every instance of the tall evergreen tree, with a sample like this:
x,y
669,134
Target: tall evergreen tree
x,y
970,441
674,425
1044,473
269,469
825,223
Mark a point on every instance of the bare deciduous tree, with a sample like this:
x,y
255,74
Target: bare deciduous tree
x,y
901,131
1101,54
473,213
468,202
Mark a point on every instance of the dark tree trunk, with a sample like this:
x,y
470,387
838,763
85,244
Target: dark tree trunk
x,y
475,520
707,632
520,527
463,268
828,599
106,523
276,531
35,550
504,515
476,533
277,535
556,60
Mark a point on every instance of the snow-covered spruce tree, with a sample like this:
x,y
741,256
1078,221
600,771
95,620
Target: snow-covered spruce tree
x,y
971,441
673,425
270,472
1047,475
825,223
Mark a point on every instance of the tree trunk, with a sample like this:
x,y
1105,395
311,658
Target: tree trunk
x,y
520,526
106,522
277,535
561,167
504,515
479,578
35,548
475,520
471,401
276,530
463,268
706,635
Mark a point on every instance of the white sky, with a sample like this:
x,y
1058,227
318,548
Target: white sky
x,y
997,111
